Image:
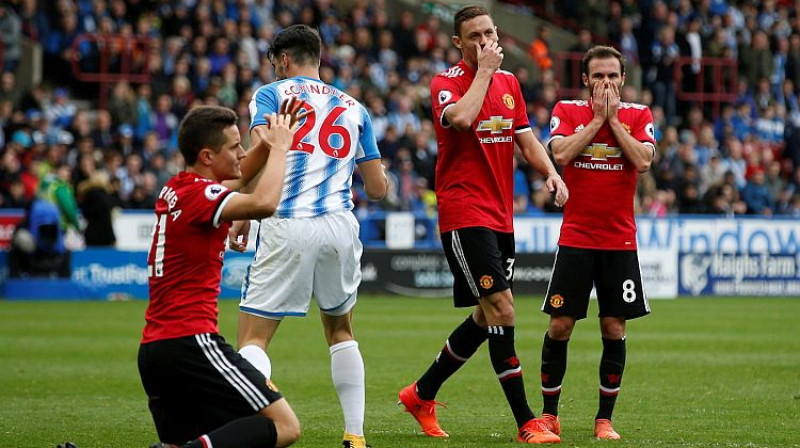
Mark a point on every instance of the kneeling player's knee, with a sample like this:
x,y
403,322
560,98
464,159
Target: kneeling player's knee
x,y
288,430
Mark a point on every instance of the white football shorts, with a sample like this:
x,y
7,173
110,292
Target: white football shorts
x,y
300,257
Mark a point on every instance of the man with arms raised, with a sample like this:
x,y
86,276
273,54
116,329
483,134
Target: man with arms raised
x,y
201,392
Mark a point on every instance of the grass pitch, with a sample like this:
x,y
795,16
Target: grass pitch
x,y
700,373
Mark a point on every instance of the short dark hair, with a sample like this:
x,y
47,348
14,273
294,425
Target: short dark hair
x,y
602,52
301,42
202,128
467,13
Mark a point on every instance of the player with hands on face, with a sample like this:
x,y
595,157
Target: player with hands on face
x,y
602,145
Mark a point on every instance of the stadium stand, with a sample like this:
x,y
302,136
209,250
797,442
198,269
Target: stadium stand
x,y
722,78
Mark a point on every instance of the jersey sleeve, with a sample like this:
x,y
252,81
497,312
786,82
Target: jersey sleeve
x,y
367,144
445,93
264,101
521,120
206,201
560,125
646,131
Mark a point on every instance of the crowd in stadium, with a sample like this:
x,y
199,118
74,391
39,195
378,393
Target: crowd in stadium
x,y
746,160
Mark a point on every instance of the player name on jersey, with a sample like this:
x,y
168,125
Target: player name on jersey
x,y
318,89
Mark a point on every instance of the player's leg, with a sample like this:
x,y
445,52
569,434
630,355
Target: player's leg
x,y
499,311
254,335
287,426
460,345
620,297
278,283
219,395
566,301
465,339
463,342
347,373
274,426
337,275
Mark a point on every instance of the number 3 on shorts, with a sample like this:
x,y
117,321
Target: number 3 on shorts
x,y
509,268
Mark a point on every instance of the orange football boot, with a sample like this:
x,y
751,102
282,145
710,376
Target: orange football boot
x,y
553,423
422,410
535,431
603,430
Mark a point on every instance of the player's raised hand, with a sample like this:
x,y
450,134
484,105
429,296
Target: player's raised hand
x,y
237,235
556,185
279,132
490,56
293,106
600,100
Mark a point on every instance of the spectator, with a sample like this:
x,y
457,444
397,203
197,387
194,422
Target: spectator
x,y
61,111
756,59
403,119
165,123
756,195
97,206
10,33
628,44
661,76
122,104
539,50
8,88
37,247
102,135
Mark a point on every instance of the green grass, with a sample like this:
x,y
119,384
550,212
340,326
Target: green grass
x,y
700,373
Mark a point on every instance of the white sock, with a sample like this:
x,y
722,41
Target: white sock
x,y
258,358
347,372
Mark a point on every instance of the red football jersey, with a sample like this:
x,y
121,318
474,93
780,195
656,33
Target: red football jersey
x,y
601,181
185,258
474,169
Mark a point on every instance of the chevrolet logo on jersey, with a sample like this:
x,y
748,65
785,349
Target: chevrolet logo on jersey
x,y
496,124
601,151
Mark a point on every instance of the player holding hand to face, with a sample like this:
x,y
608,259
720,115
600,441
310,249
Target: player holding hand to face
x,y
602,144
480,118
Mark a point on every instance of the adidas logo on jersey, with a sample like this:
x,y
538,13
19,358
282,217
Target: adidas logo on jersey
x,y
453,72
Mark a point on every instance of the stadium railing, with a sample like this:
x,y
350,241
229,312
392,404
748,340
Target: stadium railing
x,y
118,58
714,83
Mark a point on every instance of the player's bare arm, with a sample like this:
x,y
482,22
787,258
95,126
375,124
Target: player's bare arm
x,y
638,154
537,157
251,165
376,184
256,155
465,111
267,193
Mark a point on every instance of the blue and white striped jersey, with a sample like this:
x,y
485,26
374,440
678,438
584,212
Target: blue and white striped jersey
x,y
326,146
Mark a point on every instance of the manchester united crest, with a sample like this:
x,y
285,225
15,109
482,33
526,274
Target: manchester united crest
x,y
508,100
627,127
487,281
556,301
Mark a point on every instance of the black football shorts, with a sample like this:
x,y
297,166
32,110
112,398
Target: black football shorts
x,y
614,273
196,384
481,260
